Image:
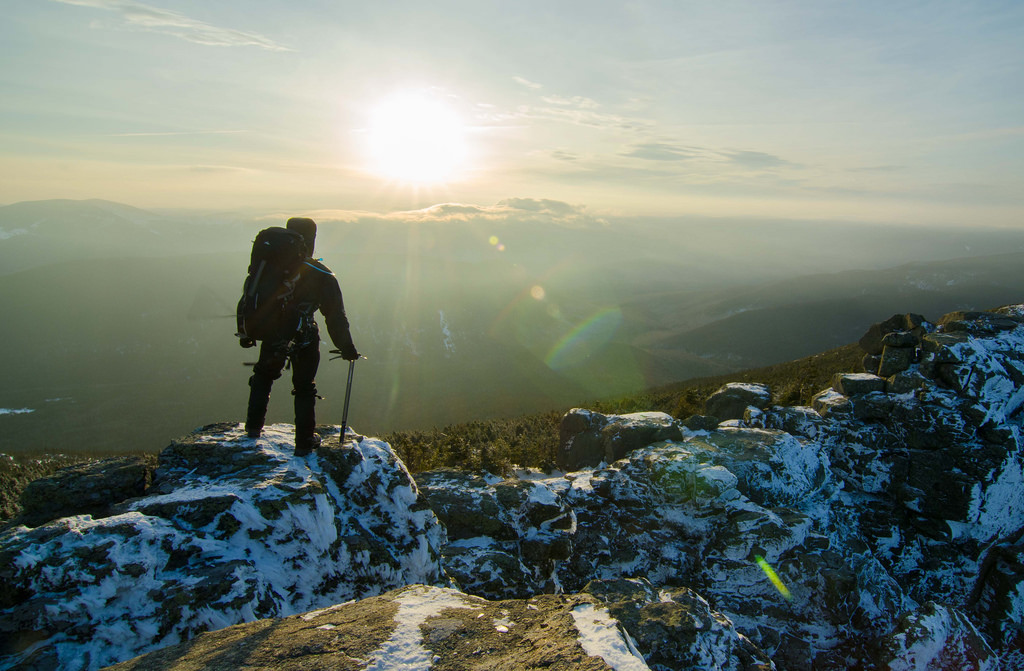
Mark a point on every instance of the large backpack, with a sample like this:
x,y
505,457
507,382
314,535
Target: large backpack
x,y
266,310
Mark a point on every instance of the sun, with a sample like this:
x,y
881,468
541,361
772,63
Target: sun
x,y
413,137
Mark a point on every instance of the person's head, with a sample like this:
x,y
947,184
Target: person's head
x,y
305,227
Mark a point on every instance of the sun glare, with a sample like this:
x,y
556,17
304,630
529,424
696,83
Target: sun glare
x,y
415,138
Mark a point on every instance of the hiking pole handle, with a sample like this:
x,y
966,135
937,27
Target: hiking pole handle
x,y
338,352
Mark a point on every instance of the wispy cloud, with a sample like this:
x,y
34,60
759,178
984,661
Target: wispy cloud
x,y
755,159
177,133
527,83
563,155
663,151
218,169
138,16
579,102
877,168
511,211
667,151
576,115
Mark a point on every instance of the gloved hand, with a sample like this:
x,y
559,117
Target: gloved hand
x,y
247,342
348,352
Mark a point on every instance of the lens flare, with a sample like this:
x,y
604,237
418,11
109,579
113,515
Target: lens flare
x,y
773,576
585,340
537,292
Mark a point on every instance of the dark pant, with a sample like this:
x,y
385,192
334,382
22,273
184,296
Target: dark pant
x,y
305,361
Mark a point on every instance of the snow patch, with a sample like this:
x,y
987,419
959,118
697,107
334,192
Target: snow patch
x,y
601,637
404,650
7,235
475,542
447,341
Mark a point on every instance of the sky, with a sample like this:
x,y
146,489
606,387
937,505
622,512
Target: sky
x,y
909,112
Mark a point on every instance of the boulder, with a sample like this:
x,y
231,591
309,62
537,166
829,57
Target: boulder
x,y
871,341
830,403
978,323
588,438
855,384
895,360
871,362
900,339
942,347
92,488
799,420
701,423
873,406
579,439
731,401
906,382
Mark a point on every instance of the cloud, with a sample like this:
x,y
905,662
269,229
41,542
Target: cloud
x,y
219,169
137,16
178,133
574,110
581,116
527,83
755,159
547,206
664,151
877,168
510,211
562,155
579,102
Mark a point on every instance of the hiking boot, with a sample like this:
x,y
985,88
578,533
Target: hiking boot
x,y
304,446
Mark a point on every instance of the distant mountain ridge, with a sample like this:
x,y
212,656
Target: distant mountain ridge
x,y
788,319
113,310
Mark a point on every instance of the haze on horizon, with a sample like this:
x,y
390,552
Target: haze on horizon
x,y
906,113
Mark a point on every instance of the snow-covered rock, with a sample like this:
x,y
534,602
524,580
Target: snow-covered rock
x,y
822,534
733,399
92,487
231,530
589,438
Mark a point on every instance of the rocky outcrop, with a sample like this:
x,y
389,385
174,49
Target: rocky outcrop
x,y
880,527
231,530
428,627
883,523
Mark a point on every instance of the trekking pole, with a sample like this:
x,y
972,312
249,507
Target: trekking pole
x,y
348,395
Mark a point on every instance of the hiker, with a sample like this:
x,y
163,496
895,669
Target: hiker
x,y
316,288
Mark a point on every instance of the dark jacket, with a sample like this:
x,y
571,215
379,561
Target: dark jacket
x,y
318,289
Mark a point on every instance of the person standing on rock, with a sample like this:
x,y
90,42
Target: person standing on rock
x,y
316,288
